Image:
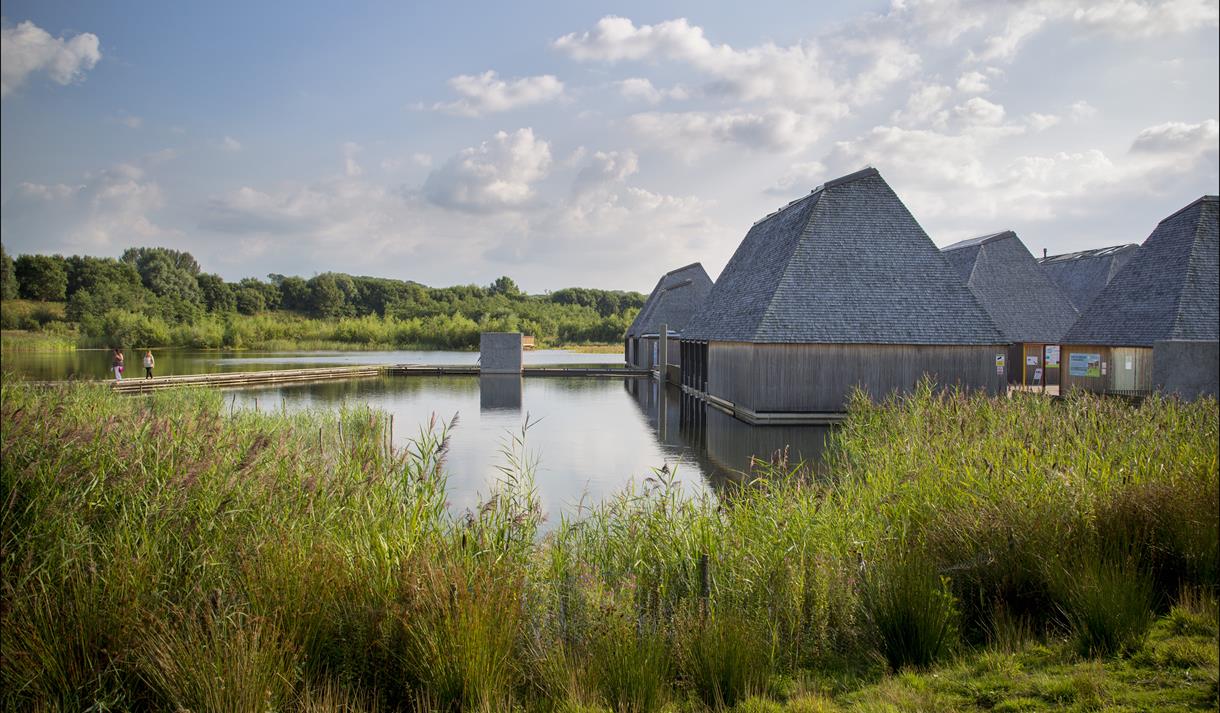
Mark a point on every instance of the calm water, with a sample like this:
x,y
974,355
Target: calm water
x,y
95,363
591,436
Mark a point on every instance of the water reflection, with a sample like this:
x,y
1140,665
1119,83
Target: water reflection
x,y
722,446
95,363
500,392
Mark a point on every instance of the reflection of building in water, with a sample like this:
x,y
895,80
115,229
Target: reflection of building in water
x,y
500,392
721,445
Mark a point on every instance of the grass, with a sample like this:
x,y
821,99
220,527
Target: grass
x,y
25,341
162,553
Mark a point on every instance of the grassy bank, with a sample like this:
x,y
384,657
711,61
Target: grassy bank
x,y
161,553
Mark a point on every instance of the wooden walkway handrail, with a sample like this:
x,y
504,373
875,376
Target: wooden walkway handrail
x,y
235,379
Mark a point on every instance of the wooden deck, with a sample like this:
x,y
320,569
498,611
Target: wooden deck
x,y
240,379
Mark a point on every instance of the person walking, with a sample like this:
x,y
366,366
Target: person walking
x,y
116,362
149,362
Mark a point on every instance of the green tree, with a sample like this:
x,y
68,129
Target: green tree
x,y
42,277
217,295
8,276
249,300
328,296
504,285
294,292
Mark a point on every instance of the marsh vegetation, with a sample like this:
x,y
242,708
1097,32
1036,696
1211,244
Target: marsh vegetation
x,y
164,553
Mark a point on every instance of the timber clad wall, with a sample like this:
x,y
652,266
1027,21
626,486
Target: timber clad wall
x,y
820,377
1122,370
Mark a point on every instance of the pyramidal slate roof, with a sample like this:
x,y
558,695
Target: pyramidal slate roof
x,y
1024,303
847,264
1167,291
1082,275
677,296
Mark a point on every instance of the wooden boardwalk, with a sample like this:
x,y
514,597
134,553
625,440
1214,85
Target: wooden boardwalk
x,y
239,379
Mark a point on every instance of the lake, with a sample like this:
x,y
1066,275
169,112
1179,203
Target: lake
x,y
95,363
592,436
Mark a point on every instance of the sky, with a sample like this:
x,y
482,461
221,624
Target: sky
x,y
587,143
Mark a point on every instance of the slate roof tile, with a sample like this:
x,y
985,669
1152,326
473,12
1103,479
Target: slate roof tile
x,y
847,264
1023,301
1168,291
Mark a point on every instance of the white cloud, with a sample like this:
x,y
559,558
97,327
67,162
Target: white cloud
x,y
131,122
1082,111
955,182
924,106
589,237
1131,17
496,175
27,48
106,210
973,83
1177,137
889,60
1041,122
794,75
800,178
605,167
980,111
1005,44
486,93
692,133
641,89
230,144
351,167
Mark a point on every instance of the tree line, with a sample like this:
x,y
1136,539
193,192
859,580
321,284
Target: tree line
x,y
159,296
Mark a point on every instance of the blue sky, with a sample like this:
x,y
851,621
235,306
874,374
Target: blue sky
x,y
587,143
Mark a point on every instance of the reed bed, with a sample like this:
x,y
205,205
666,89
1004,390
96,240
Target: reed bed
x,y
163,553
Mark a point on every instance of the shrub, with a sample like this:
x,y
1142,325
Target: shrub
x,y
1105,597
909,609
727,658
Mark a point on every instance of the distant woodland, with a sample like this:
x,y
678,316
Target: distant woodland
x,y
160,297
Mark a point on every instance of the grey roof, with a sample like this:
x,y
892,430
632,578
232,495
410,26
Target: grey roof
x,y
677,296
1024,303
846,264
1167,291
1084,274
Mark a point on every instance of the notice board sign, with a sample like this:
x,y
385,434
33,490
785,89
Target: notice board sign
x,y
999,364
1052,356
1084,364
1038,375
1031,360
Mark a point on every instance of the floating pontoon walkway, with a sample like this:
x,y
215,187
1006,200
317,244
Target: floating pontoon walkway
x,y
240,379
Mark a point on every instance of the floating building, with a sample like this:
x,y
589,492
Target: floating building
x,y
670,305
1155,325
1028,307
1082,275
840,289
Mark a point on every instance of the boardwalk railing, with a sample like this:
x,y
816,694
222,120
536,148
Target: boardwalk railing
x,y
238,379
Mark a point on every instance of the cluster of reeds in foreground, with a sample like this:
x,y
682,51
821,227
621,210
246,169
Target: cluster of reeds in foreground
x,y
162,553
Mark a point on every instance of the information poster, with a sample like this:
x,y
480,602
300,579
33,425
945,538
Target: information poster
x,y
1129,364
1052,356
1084,364
1031,360
999,363
1038,375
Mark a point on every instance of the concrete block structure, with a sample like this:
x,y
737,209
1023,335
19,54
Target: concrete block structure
x,y
1188,369
500,353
